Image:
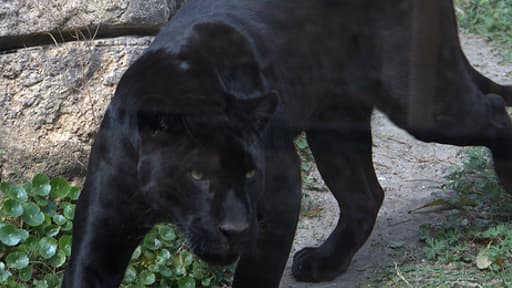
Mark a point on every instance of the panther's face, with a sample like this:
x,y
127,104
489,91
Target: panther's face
x,y
206,184
200,160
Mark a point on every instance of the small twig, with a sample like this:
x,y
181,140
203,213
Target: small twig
x,y
382,165
400,275
53,39
400,222
96,32
424,180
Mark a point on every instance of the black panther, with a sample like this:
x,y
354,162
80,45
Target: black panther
x,y
200,130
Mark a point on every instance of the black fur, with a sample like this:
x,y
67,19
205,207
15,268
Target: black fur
x,y
200,131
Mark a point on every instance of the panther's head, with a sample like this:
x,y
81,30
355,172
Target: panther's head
x,y
199,146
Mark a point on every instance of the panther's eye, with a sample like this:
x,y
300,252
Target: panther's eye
x,y
197,175
250,174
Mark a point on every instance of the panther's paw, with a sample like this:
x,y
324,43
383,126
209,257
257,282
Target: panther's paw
x,y
311,265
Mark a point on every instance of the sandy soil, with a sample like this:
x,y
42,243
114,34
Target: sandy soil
x,y
409,171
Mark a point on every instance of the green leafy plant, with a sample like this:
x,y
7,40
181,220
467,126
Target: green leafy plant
x,y
35,231
35,243
489,18
162,260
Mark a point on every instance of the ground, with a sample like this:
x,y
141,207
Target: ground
x,y
410,172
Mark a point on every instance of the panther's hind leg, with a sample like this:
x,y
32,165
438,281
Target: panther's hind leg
x,y
500,143
469,120
343,157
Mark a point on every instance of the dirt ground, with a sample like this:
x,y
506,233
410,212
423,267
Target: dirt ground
x,y
410,172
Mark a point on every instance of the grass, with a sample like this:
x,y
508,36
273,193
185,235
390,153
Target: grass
x,y
473,246
489,18
311,180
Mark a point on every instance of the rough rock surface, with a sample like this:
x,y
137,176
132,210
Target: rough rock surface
x,y
53,98
29,23
18,17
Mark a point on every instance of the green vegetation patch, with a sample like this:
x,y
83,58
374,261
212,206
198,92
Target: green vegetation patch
x,y
489,18
35,243
473,246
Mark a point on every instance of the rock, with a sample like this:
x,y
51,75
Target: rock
x,y
28,23
53,99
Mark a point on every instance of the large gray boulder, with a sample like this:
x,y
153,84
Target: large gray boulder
x,y
59,65
53,99
27,23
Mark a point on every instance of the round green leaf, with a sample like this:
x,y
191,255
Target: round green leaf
x,y
14,192
186,282
163,256
32,215
180,270
50,208
60,187
65,244
69,210
67,227
4,275
41,185
131,275
25,274
52,280
147,278
47,247
166,272
13,208
51,230
189,258
153,268
152,243
58,260
166,232
17,260
206,282
148,254
12,283
136,253
23,234
10,235
59,219
40,284
40,201
74,193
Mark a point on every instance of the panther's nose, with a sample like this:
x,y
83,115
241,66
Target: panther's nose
x,y
233,230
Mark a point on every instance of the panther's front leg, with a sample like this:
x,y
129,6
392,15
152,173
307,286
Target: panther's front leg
x,y
278,209
110,219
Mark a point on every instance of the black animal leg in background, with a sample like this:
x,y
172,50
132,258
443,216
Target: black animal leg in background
x,y
344,160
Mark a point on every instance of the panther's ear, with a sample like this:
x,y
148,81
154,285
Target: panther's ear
x,y
230,54
256,111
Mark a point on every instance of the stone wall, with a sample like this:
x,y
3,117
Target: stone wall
x,y
60,62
